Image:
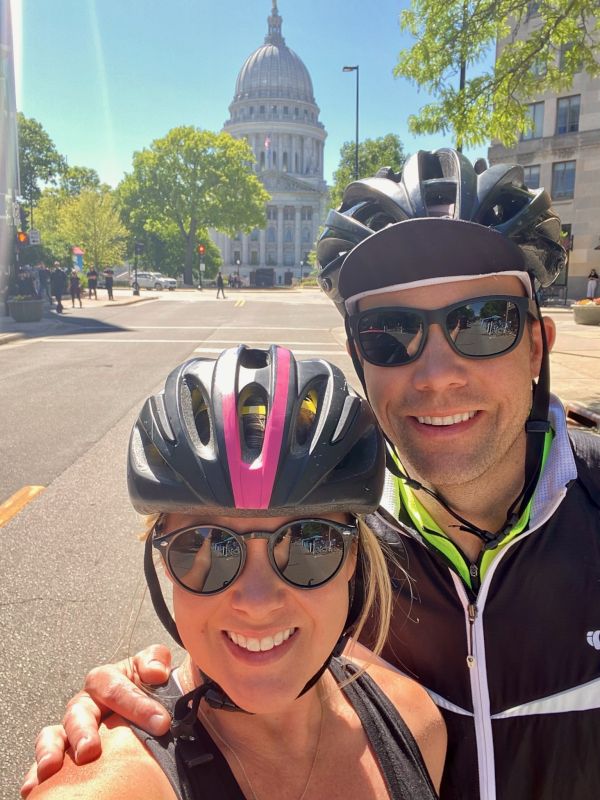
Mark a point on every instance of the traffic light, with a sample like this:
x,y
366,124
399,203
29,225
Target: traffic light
x,y
201,249
138,248
22,237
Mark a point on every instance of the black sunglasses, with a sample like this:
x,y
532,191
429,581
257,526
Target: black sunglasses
x,y
206,559
482,327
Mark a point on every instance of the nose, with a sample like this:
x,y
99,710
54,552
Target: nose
x,y
259,591
439,367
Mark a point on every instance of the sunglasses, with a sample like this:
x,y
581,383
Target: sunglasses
x,y
207,559
482,327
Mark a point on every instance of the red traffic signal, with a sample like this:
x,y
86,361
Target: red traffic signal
x,y
22,237
201,249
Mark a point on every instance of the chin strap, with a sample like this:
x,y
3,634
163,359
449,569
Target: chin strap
x,y
186,708
536,428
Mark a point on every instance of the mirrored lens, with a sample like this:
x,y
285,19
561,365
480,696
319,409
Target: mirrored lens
x,y
205,559
390,337
484,328
309,553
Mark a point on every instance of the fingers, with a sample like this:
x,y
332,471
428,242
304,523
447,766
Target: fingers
x,y
153,665
108,687
50,747
80,723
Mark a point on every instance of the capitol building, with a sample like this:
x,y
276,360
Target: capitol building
x,y
274,109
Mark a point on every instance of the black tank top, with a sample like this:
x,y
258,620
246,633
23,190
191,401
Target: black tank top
x,y
197,770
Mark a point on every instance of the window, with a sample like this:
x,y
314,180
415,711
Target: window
x,y
272,212
261,111
271,235
306,214
532,176
288,236
306,235
565,57
285,162
274,159
254,235
254,258
289,213
563,180
296,163
271,259
286,111
274,110
262,159
296,112
535,112
567,114
236,257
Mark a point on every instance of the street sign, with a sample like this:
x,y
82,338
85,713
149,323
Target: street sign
x,y
202,267
34,236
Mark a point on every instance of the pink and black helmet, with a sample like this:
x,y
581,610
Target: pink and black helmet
x,y
256,432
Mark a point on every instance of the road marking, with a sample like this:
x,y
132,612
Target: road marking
x,y
239,303
19,500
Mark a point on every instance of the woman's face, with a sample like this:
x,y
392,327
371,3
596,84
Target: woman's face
x,y
295,629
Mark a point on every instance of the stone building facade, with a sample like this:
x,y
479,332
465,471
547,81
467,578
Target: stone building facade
x,y
562,153
274,109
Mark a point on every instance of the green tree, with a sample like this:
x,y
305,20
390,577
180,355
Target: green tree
x,y
39,161
91,221
385,151
74,180
455,36
197,180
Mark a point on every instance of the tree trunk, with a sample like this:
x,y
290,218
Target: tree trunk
x,y
190,252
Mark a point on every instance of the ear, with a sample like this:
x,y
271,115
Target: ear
x,y
536,342
350,565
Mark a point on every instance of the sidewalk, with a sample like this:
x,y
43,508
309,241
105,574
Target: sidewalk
x,y
52,322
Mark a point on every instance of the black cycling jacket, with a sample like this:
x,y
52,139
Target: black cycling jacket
x,y
514,669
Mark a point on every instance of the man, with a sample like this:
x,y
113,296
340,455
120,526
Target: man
x,y
92,278
493,512
58,285
109,277
220,285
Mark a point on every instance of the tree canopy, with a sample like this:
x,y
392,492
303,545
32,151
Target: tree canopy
x,y
194,180
476,103
39,161
385,151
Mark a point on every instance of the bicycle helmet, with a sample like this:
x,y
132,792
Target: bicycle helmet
x,y
254,433
444,219
390,229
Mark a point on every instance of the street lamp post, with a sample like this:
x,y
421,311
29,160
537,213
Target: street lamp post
x,y
138,249
355,69
301,271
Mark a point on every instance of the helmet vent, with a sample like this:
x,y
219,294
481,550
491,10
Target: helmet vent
x,y
307,415
254,359
253,407
201,415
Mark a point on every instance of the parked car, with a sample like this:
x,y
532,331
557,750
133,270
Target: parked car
x,y
153,280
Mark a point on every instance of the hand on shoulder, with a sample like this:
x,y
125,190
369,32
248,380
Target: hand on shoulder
x,y
124,769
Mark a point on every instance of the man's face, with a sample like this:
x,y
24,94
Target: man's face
x,y
454,419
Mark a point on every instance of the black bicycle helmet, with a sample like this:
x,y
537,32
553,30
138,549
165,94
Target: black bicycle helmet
x,y
254,433
446,186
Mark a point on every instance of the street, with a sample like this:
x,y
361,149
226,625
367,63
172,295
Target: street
x,y
72,581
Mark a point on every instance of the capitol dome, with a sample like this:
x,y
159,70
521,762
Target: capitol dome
x,y
274,110
274,70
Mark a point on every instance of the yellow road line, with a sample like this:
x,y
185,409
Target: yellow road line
x,y
18,501
239,303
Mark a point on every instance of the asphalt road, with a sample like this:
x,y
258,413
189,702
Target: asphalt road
x,y
72,584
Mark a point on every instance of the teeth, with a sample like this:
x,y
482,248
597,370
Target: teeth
x,y
451,420
260,645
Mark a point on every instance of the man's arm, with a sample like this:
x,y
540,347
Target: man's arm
x,y
114,687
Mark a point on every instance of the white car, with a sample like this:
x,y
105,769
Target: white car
x,y
153,280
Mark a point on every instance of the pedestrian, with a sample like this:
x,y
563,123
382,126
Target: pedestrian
x,y
58,285
109,277
492,505
220,285
75,287
44,275
592,285
92,278
258,705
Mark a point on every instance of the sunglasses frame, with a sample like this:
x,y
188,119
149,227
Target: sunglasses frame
x,y
163,542
439,316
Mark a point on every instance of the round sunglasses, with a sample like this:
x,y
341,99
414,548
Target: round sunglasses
x,y
207,559
481,327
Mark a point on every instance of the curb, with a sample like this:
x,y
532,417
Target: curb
x,y
6,338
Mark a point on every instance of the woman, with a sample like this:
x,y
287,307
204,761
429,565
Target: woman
x,y
592,285
254,470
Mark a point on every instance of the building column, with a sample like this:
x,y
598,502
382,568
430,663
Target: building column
x,y
262,241
297,238
245,259
279,236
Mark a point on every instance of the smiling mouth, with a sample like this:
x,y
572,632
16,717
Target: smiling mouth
x,y
260,645
453,419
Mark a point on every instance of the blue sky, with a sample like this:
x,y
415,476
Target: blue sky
x,y
106,77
